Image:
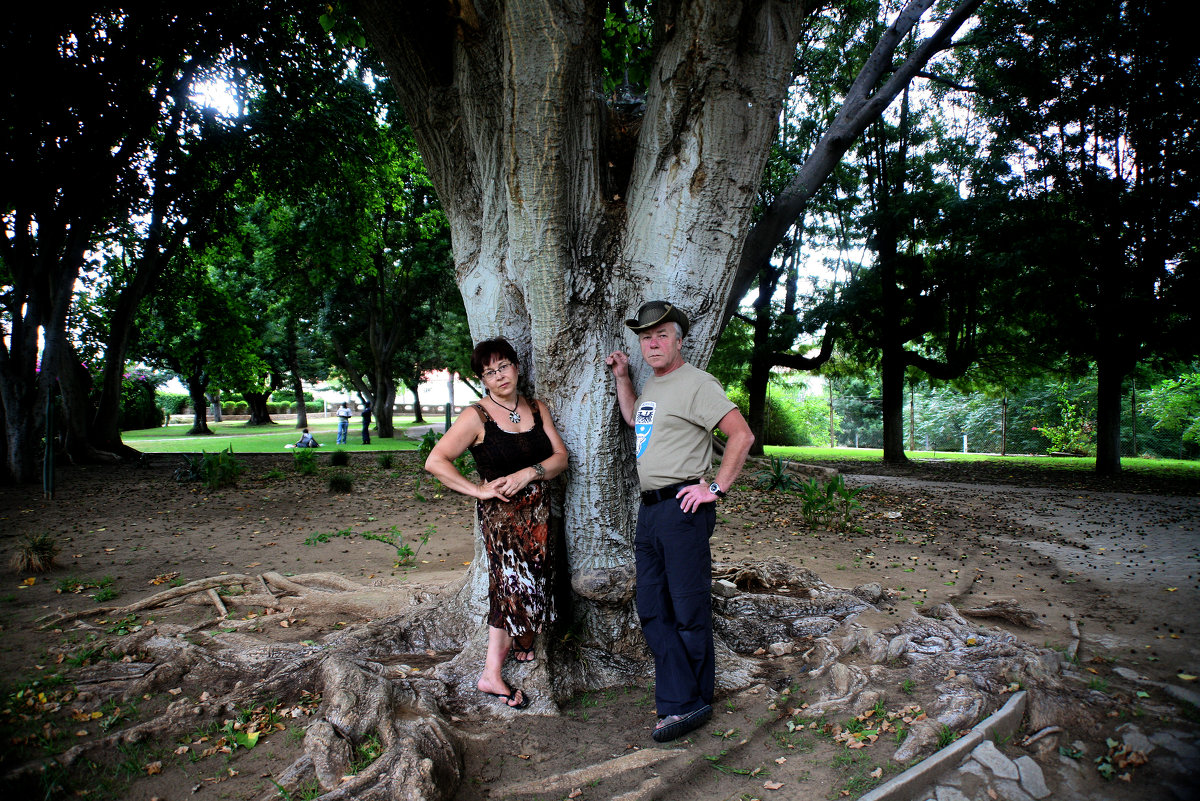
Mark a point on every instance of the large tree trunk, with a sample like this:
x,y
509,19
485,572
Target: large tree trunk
x,y
756,412
383,409
105,431
259,414
503,104
197,385
1109,377
298,394
418,416
21,423
891,370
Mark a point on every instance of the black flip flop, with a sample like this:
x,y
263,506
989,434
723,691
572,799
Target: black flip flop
x,y
524,698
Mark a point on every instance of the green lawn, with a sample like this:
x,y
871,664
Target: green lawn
x,y
1177,467
262,439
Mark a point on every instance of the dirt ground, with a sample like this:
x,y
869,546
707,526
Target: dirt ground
x,y
1120,557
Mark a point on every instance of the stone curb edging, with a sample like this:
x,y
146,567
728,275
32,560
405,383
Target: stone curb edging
x,y
1003,722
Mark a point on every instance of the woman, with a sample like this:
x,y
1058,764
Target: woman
x,y
516,449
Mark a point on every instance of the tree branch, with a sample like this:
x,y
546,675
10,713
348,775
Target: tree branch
x,y
859,109
944,81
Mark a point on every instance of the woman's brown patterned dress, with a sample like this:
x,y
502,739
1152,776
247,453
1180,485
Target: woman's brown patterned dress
x,y
517,533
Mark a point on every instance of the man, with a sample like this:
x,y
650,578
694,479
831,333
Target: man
x,y
673,420
343,415
366,420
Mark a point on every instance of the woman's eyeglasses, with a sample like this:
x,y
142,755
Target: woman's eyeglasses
x,y
500,368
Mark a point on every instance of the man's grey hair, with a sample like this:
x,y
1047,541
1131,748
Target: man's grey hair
x,y
678,330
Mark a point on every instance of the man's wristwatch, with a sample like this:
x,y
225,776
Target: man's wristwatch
x,y
715,489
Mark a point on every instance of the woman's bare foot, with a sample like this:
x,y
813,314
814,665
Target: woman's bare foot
x,y
513,698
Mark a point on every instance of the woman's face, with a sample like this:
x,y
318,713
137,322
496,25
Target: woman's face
x,y
500,375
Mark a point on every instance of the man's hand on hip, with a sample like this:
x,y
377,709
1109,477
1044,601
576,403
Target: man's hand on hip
x,y
691,496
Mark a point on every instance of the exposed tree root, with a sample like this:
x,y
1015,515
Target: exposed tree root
x,y
1007,610
408,679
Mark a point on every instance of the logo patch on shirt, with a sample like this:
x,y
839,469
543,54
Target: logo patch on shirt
x,y
643,425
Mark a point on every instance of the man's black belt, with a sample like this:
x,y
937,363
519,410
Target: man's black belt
x,y
651,497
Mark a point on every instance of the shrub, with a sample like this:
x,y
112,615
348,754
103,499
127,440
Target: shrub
x,y
465,463
778,477
830,506
339,458
788,423
215,470
35,553
340,482
139,408
386,460
305,461
172,402
220,469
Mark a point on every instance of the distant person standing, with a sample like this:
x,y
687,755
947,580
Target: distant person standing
x,y
366,415
343,414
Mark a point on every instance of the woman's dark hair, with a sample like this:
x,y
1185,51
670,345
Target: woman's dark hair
x,y
489,350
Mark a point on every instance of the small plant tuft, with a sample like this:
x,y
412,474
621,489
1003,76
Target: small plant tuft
x,y
305,461
341,482
214,470
464,463
777,477
35,553
385,460
339,458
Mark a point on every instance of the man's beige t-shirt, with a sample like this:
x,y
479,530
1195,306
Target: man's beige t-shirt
x,y
674,419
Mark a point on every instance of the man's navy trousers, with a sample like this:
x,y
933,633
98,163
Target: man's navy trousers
x,y
674,602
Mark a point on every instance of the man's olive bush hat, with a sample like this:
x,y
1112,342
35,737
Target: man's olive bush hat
x,y
657,312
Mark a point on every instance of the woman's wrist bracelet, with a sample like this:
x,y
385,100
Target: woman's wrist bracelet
x,y
539,470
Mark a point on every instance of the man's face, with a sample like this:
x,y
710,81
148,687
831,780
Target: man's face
x,y
662,347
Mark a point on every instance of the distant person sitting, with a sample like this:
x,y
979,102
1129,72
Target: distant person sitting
x,y
307,441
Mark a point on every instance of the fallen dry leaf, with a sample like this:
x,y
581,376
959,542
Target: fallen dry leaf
x,y
154,768
772,785
575,793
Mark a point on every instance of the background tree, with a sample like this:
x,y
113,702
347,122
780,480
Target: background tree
x,y
119,154
195,331
1096,102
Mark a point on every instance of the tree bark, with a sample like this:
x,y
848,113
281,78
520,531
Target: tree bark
x,y
383,409
197,385
259,414
298,394
418,417
1109,377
